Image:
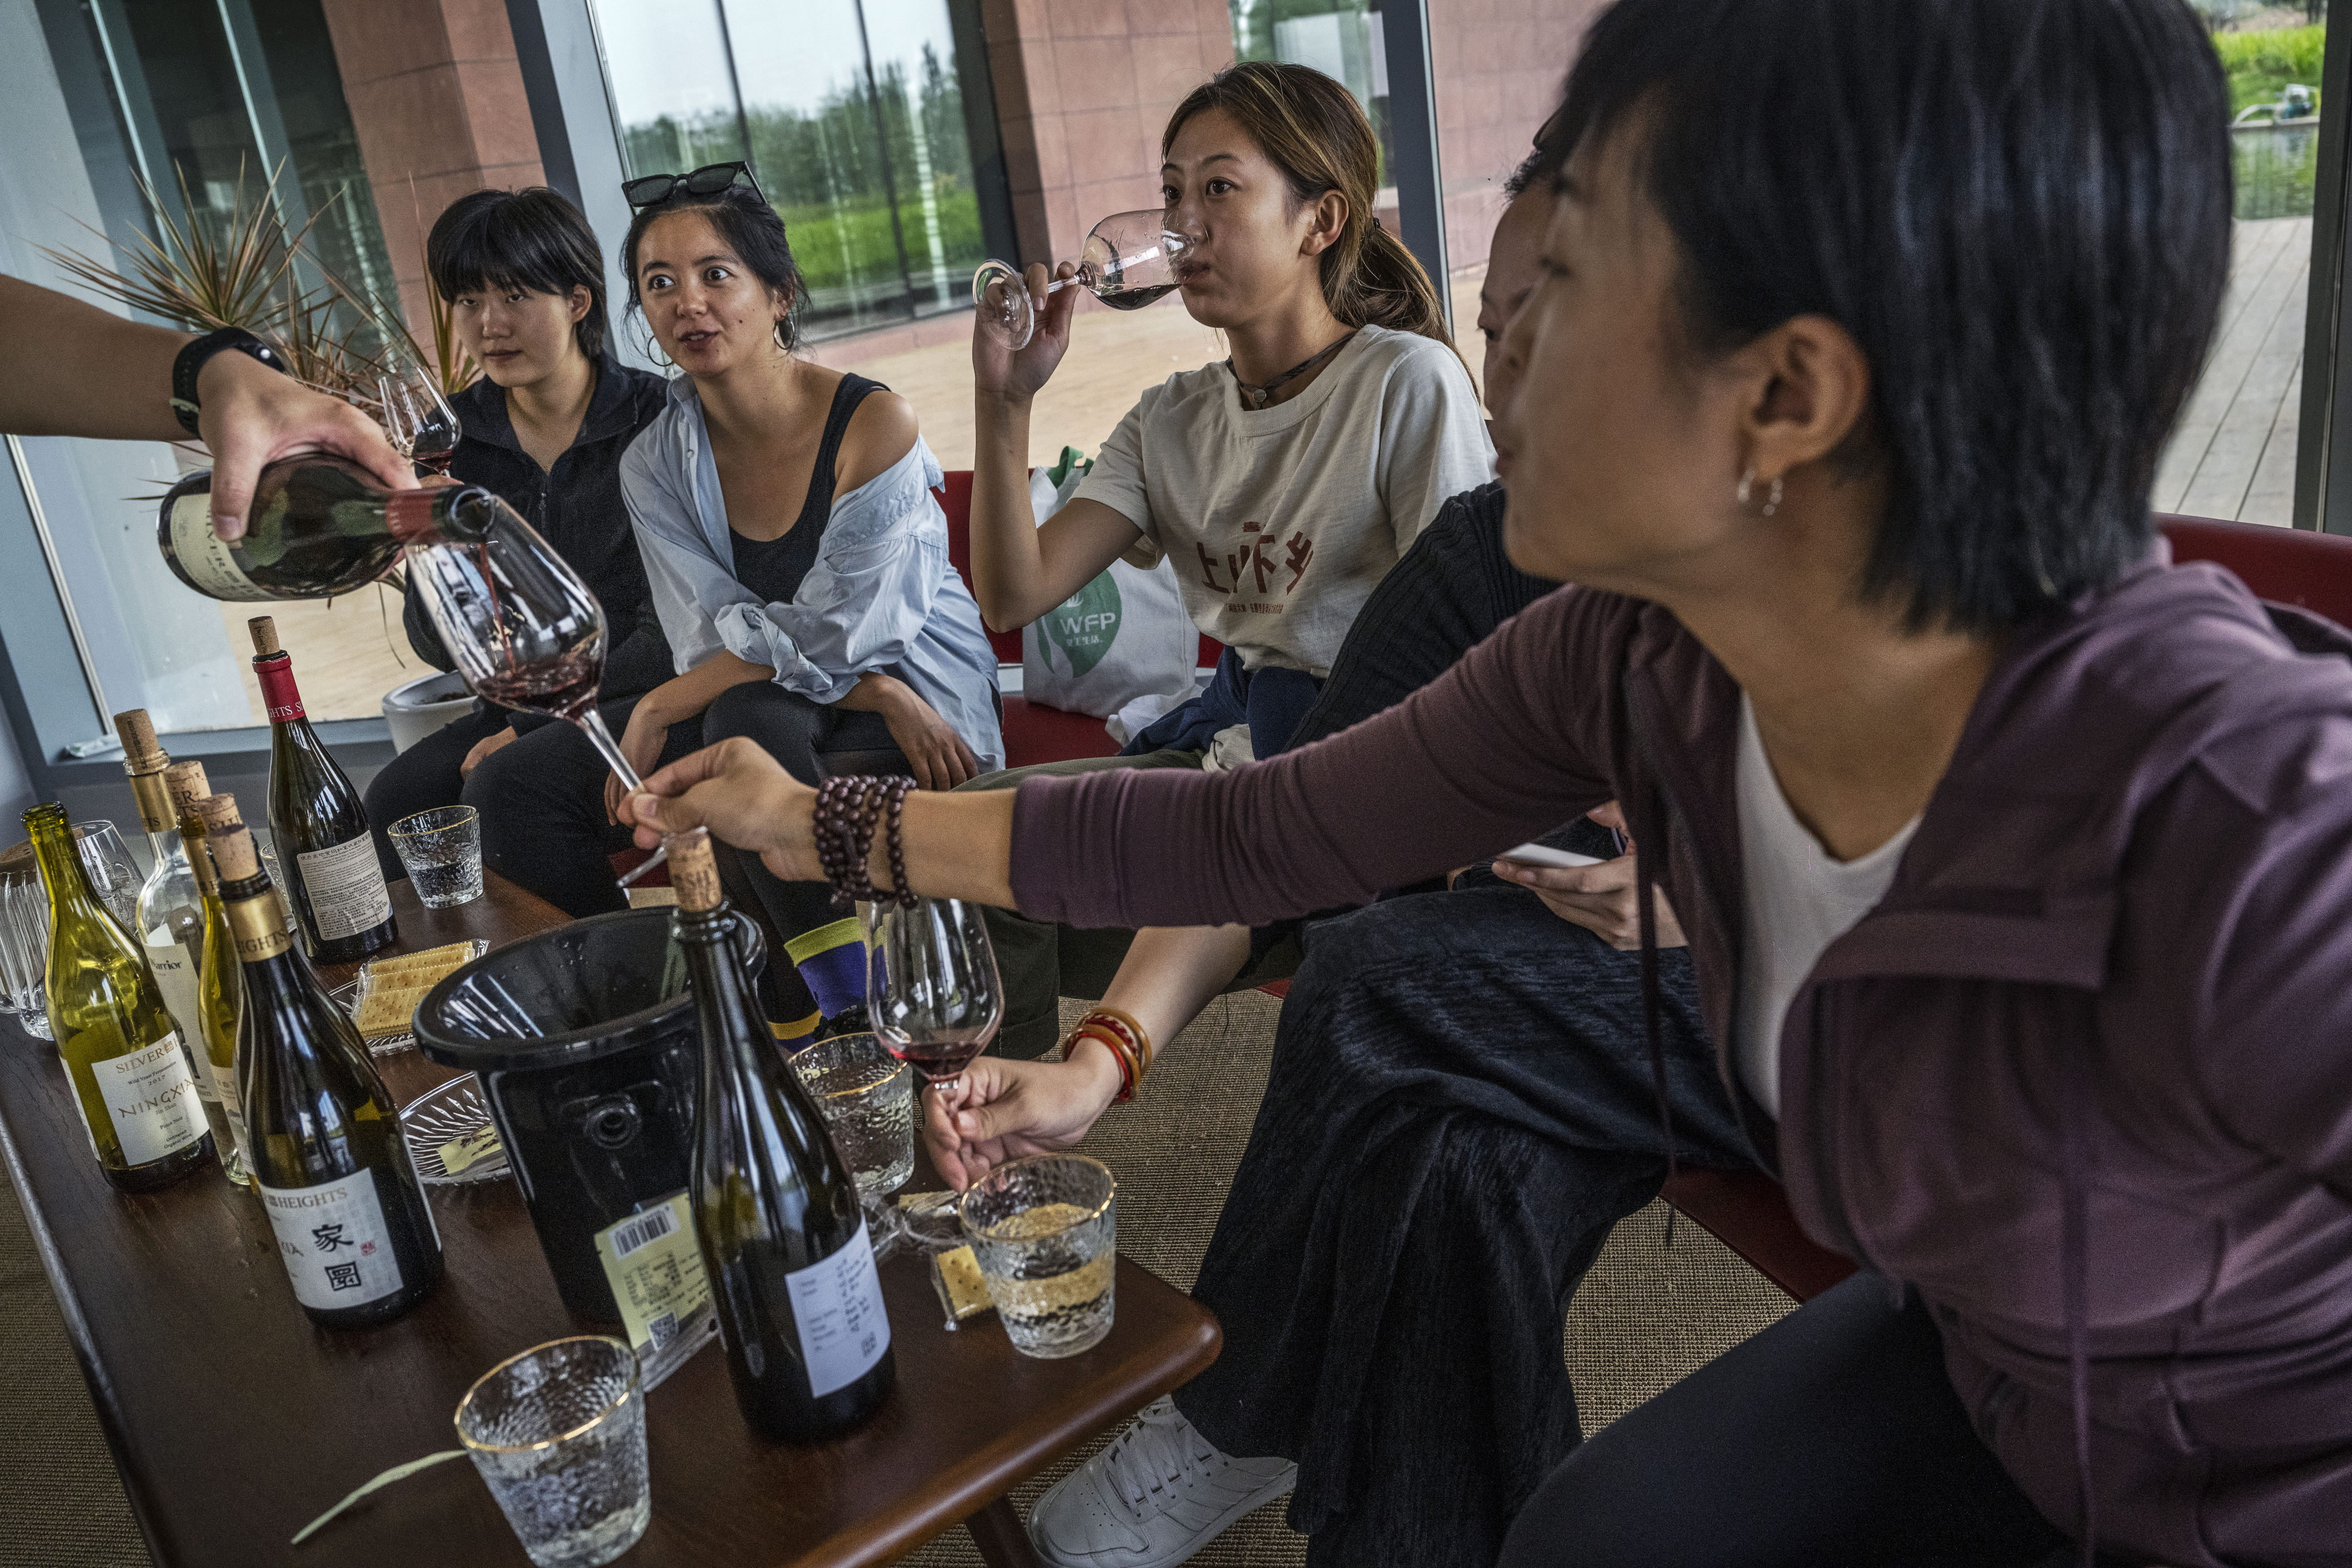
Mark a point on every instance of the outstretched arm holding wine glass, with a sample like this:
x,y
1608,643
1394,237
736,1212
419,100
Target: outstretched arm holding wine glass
x,y
115,384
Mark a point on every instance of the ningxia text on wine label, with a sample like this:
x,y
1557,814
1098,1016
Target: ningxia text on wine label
x,y
151,1096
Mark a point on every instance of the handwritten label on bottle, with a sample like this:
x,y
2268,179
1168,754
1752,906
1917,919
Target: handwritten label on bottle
x,y
346,888
332,1240
838,1305
151,1098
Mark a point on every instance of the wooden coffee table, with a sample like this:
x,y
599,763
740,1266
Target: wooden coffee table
x,y
235,1422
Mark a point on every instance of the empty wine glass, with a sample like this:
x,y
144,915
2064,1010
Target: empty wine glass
x,y
1129,260
24,948
417,418
525,632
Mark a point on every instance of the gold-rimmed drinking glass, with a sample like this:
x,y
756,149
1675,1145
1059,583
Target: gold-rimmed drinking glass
x,y
558,1435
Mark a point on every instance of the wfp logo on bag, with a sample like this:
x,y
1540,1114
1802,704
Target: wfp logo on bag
x,y
1083,627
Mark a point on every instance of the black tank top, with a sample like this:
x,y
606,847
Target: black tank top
x,y
773,568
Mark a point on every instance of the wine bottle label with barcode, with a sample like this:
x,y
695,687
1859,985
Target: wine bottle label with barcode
x,y
177,972
838,1305
654,1265
346,888
210,565
332,1240
151,1098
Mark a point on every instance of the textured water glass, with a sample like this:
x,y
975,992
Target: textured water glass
x,y
867,1097
558,1436
1045,1230
441,850
25,950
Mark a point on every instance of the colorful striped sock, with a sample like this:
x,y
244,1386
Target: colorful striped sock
x,y
832,961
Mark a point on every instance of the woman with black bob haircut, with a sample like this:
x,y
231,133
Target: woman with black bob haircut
x,y
2016,862
545,429
798,559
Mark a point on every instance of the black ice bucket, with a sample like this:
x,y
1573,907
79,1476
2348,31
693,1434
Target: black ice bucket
x,y
585,1042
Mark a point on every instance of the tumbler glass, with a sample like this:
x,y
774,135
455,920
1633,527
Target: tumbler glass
x,y
558,1436
25,950
867,1096
441,850
1044,1230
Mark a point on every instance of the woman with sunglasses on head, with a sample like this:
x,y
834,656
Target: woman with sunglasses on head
x,y
1282,481
2016,862
798,557
544,429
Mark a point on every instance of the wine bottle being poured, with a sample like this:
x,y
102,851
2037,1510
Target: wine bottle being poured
x,y
319,526
353,1227
775,1206
324,847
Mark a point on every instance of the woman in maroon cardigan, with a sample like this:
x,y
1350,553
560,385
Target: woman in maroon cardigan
x,y
2016,863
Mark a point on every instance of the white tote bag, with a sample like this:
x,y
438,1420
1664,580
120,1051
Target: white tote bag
x,y
1121,646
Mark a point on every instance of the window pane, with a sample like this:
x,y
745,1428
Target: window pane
x,y
664,61
930,151
1341,39
2233,453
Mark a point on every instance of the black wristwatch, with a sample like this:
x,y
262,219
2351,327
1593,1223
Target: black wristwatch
x,y
191,359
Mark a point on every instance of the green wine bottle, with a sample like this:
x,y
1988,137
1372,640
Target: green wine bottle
x,y
352,1225
220,986
132,1075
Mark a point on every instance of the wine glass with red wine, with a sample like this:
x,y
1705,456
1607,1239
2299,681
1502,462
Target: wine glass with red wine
x,y
525,631
1129,260
418,418
935,1000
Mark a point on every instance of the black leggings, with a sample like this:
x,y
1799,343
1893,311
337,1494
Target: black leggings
x,y
797,733
1833,1437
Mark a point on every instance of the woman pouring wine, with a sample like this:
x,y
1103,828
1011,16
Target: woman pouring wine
x,y
799,561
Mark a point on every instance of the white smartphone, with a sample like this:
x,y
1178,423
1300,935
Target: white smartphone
x,y
1545,854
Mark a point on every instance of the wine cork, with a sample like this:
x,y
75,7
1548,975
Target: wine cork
x,y
233,853
219,813
265,634
693,871
186,783
141,753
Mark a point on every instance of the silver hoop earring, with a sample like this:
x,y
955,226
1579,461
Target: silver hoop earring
x,y
1746,487
777,332
653,351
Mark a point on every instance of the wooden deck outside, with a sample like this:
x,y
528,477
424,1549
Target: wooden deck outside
x,y
2233,454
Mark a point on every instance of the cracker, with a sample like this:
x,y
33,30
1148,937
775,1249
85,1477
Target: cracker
x,y
389,1010
448,956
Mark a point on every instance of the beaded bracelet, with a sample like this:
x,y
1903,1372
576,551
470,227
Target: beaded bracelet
x,y
848,810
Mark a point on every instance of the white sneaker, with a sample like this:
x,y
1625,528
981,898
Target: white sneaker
x,y
1156,1495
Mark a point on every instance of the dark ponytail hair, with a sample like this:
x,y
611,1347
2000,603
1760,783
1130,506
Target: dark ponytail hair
x,y
1318,136
752,231
533,240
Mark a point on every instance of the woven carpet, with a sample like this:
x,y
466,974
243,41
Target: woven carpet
x,y
1646,1314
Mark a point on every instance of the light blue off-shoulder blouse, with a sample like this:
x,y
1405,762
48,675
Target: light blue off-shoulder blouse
x,y
882,596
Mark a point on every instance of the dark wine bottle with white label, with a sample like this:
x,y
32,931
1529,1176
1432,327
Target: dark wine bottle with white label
x,y
319,526
775,1207
334,880
350,1217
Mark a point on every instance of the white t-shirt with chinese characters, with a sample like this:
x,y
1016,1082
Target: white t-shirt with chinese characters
x,y
1280,520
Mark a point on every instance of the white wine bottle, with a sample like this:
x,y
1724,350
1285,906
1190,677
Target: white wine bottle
x,y
132,1076
353,1227
775,1208
170,924
220,985
333,879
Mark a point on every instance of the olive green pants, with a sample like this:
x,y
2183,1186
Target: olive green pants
x,y
1042,962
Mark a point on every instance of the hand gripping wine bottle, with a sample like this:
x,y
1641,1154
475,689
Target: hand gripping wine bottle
x,y
353,1229
170,923
775,1208
319,526
334,880
131,1075
220,989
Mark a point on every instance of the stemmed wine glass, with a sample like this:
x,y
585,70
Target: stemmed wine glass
x,y
417,418
935,1001
1129,260
525,631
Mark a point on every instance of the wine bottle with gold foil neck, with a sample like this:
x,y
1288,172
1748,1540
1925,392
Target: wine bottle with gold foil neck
x,y
220,988
352,1225
171,915
333,879
132,1076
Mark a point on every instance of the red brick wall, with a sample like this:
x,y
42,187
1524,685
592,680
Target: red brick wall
x,y
437,101
1083,89
1498,65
